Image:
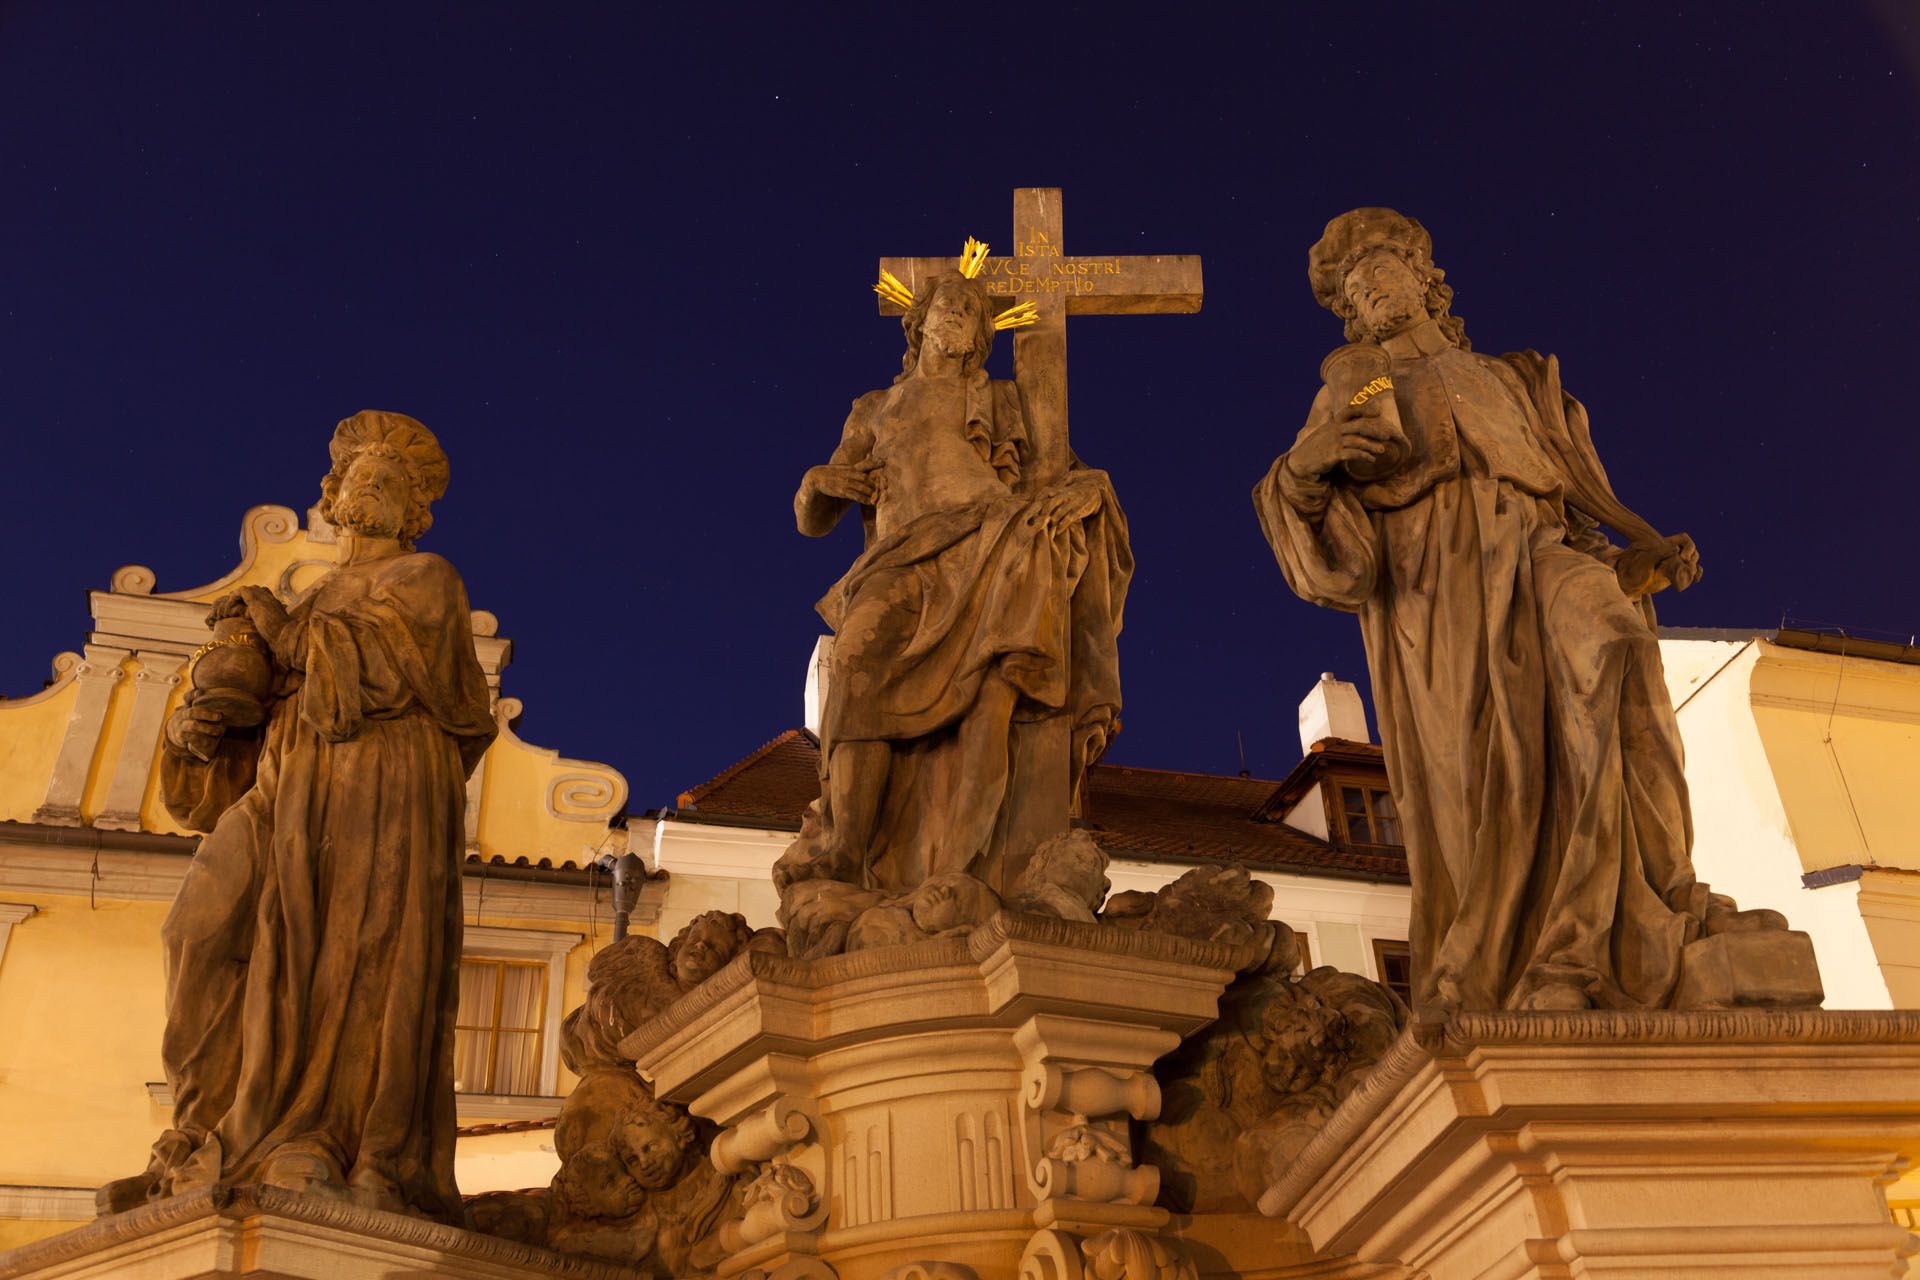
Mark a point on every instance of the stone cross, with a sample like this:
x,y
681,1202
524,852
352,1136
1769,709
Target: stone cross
x,y
1040,271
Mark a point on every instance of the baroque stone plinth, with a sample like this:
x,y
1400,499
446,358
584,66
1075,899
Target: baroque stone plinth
x,y
264,1233
964,1101
1626,1145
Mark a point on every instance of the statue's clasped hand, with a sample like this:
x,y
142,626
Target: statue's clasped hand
x,y
195,730
1352,436
1645,568
863,482
262,607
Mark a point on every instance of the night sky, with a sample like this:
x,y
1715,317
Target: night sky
x,y
619,261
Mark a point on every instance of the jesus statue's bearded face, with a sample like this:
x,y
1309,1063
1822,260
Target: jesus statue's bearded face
x,y
953,321
374,496
1386,293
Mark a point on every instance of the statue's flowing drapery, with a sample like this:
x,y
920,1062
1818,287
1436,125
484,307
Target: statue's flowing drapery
x,y
313,950
1529,738
930,611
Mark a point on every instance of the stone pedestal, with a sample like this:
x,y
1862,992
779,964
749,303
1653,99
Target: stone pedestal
x,y
962,1102
1741,1143
263,1233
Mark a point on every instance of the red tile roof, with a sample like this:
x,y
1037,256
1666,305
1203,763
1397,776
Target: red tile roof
x,y
1143,813
778,781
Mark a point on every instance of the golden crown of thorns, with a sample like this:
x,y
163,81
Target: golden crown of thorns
x,y
972,258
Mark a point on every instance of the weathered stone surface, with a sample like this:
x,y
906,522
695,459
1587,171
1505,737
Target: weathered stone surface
x,y
1749,967
1532,746
265,1233
313,949
966,1099
635,1184
974,673
1243,1097
1639,1145
1212,904
989,597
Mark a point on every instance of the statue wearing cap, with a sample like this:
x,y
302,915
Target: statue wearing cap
x,y
313,950
1454,501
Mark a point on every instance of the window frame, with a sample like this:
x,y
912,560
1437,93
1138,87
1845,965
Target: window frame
x,y
494,1028
1380,948
549,947
1336,808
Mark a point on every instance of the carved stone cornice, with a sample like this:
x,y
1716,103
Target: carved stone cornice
x,y
1008,938
1730,1026
1631,1135
1550,1033
257,1213
956,1095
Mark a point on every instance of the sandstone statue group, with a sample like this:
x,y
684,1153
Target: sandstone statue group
x,y
1453,501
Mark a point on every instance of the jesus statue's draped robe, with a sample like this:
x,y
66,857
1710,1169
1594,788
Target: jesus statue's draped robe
x,y
313,951
1531,745
931,608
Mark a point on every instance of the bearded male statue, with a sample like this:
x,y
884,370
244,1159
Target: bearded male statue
x,y
986,597
312,954
1453,500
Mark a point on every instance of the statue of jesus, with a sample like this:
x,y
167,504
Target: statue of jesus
x,y
983,599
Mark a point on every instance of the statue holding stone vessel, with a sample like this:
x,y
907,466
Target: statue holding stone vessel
x,y
1455,502
313,948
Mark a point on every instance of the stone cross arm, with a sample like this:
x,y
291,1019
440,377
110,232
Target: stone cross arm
x,y
1126,284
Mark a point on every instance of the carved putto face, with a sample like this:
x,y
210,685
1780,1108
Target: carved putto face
x,y
374,497
953,320
950,901
1386,293
651,1153
700,954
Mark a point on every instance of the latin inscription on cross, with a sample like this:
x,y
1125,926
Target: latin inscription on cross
x,y
1040,271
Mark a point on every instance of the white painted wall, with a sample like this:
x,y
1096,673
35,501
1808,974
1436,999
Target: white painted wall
x,y
1742,844
716,868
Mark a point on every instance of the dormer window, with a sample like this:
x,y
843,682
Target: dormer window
x,y
1368,815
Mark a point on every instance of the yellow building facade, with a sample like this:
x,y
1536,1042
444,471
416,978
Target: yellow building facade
x,y
1803,762
90,860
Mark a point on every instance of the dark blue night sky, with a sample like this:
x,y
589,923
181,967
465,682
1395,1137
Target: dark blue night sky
x,y
617,258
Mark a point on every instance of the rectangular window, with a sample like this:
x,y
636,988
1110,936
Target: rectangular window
x,y
1393,961
497,1032
1369,815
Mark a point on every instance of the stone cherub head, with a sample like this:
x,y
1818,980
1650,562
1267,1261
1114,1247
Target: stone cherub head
x,y
387,472
1374,269
705,945
951,902
652,1140
1066,877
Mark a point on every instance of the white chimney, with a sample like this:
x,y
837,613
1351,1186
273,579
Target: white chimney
x,y
1332,710
816,694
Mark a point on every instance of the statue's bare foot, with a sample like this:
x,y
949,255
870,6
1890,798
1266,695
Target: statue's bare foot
x,y
1556,997
123,1194
300,1166
1724,917
376,1191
